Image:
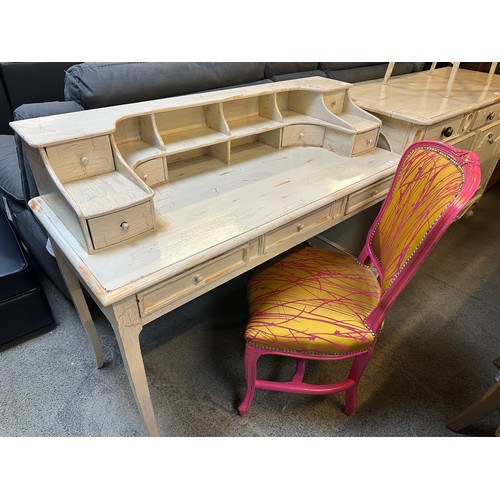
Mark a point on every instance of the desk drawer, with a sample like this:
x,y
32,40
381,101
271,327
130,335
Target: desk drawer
x,y
486,116
175,288
81,159
303,135
121,226
294,229
365,142
151,171
368,195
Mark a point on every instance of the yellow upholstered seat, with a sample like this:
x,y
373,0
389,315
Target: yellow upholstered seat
x,y
313,301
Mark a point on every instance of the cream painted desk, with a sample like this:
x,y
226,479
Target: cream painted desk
x,y
151,204
414,107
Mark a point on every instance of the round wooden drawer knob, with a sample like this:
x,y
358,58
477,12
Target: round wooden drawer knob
x,y
198,279
84,161
125,226
447,131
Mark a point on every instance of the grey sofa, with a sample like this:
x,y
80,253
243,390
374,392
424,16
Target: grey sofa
x,y
94,85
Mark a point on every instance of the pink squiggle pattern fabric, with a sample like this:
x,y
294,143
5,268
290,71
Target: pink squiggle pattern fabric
x,y
422,191
313,300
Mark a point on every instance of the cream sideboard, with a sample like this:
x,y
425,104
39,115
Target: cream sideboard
x,y
148,205
414,107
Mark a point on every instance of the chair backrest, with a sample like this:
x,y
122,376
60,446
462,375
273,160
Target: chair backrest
x,y
432,184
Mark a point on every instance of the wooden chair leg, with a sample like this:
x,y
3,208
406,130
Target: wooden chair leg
x,y
489,402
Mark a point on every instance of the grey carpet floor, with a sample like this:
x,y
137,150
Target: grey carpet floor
x,y
434,358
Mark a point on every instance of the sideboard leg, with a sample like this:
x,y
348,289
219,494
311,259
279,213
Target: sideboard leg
x,y
490,401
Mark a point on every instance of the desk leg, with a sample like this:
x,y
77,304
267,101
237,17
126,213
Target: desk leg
x,y
76,293
126,324
489,402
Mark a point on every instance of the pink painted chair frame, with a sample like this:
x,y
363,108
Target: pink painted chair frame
x,y
468,163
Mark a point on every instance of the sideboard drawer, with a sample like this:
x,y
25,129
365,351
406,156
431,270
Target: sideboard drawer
x,y
120,226
151,171
487,115
445,130
175,288
368,195
81,159
293,229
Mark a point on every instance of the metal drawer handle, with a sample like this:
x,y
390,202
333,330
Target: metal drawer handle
x,y
198,279
491,116
490,139
125,226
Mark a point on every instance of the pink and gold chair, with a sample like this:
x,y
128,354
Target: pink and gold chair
x,y
320,304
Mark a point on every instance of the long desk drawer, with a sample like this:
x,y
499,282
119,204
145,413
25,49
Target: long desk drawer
x,y
292,230
366,196
175,288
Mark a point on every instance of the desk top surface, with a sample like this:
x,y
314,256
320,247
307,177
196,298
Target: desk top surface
x,y
214,207
419,97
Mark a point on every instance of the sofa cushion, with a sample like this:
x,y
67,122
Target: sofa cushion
x,y
353,75
24,112
28,82
301,74
282,68
33,235
10,176
94,85
335,66
5,113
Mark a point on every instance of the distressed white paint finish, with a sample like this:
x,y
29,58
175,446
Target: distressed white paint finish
x,y
452,105
419,97
238,189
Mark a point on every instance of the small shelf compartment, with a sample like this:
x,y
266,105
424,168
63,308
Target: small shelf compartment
x,y
191,128
137,139
252,114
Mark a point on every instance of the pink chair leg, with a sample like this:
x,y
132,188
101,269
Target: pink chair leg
x,y
299,370
252,354
357,369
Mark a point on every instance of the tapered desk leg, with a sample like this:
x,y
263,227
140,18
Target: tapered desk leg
x,y
76,293
489,402
126,324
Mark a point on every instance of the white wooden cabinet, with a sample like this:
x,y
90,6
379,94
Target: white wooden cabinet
x,y
415,107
